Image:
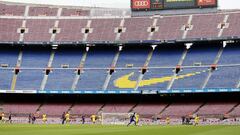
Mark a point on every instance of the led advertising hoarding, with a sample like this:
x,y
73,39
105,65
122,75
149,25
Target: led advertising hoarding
x,y
157,4
171,4
140,4
207,2
174,4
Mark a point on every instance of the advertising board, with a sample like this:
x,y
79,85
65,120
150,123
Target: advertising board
x,y
207,2
175,4
140,4
171,4
157,4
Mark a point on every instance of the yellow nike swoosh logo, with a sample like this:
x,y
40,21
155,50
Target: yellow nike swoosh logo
x,y
125,83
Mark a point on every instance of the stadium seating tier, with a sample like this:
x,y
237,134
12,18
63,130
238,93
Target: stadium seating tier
x,y
75,21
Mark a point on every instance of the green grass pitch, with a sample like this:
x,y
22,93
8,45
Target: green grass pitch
x,y
116,130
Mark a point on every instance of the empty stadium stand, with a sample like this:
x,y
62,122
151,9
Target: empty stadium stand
x,y
235,111
32,58
170,28
190,78
42,11
103,32
207,28
117,107
97,57
71,30
62,79
37,33
130,57
157,66
218,108
162,54
75,12
149,109
178,110
230,55
136,29
233,23
147,106
201,55
54,109
22,109
86,108
11,9
62,22
160,58
35,57
29,79
9,32
156,79
69,71
8,58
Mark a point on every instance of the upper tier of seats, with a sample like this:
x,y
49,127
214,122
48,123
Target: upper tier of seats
x,y
44,24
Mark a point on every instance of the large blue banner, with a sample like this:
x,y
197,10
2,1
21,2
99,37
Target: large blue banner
x,y
208,90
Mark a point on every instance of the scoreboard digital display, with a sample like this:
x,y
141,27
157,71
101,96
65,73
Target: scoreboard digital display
x,y
171,4
140,4
157,4
206,2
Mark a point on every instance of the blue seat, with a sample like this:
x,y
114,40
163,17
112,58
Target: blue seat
x,y
92,80
8,56
60,79
122,79
224,77
204,54
29,79
122,84
166,56
35,57
69,56
32,58
5,79
135,56
227,77
190,78
230,55
163,56
161,77
98,57
129,57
